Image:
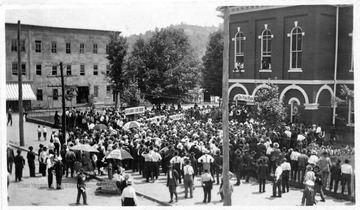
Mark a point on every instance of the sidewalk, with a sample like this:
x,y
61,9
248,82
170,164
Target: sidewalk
x,y
244,195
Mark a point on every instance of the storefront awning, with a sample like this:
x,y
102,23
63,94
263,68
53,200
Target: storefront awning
x,y
12,92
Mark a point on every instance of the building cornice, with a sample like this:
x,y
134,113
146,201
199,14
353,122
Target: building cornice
x,y
244,9
290,82
27,27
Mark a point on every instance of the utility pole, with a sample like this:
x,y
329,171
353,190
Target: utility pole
x,y
21,115
63,102
225,110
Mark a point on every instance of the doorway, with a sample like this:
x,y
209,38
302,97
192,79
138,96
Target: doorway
x,y
82,95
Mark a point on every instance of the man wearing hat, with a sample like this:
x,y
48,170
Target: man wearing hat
x,y
335,172
277,180
177,163
217,165
346,172
19,165
128,196
273,157
58,168
260,148
286,168
43,160
188,178
81,188
239,166
308,194
172,177
206,160
70,162
31,161
263,171
324,164
313,159
251,165
302,161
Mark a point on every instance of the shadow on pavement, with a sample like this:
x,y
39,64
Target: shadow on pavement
x,y
74,204
271,198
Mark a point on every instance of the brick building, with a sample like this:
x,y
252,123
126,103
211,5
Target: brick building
x,y
83,54
306,50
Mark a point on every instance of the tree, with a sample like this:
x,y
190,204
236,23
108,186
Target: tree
x,y
117,52
165,65
346,98
213,64
269,109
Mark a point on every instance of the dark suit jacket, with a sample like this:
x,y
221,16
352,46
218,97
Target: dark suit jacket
x,y
261,148
19,161
263,171
173,181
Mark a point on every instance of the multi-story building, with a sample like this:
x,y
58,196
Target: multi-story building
x,y
81,51
305,49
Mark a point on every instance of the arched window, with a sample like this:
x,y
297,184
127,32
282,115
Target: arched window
x,y
239,51
296,47
266,47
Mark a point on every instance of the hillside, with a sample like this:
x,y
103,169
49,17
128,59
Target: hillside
x,y
198,36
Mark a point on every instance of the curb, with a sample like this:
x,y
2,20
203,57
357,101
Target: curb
x,y
41,122
139,194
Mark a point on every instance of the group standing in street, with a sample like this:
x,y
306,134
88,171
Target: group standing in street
x,y
184,149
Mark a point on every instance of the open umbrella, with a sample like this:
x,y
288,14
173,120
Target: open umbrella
x,y
100,127
119,154
132,124
84,147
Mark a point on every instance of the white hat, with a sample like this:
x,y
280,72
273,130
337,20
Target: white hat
x,y
309,183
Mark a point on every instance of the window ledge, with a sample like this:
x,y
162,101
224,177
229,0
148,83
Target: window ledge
x,y
295,70
265,70
239,71
351,124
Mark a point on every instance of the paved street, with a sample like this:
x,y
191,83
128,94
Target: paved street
x,y
34,191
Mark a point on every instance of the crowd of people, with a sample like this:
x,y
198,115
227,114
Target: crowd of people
x,y
192,146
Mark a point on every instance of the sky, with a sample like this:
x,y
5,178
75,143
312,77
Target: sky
x,y
128,17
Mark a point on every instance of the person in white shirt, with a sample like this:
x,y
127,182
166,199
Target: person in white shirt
x,y
44,132
294,163
313,159
206,160
309,174
128,196
49,167
43,159
188,178
277,180
346,172
177,162
286,168
156,158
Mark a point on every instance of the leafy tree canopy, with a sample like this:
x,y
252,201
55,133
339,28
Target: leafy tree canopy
x,y
165,65
117,52
269,107
213,64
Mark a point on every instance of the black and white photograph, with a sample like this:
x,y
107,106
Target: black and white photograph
x,y
178,103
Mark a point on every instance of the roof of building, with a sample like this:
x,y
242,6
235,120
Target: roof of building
x,y
250,8
26,26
